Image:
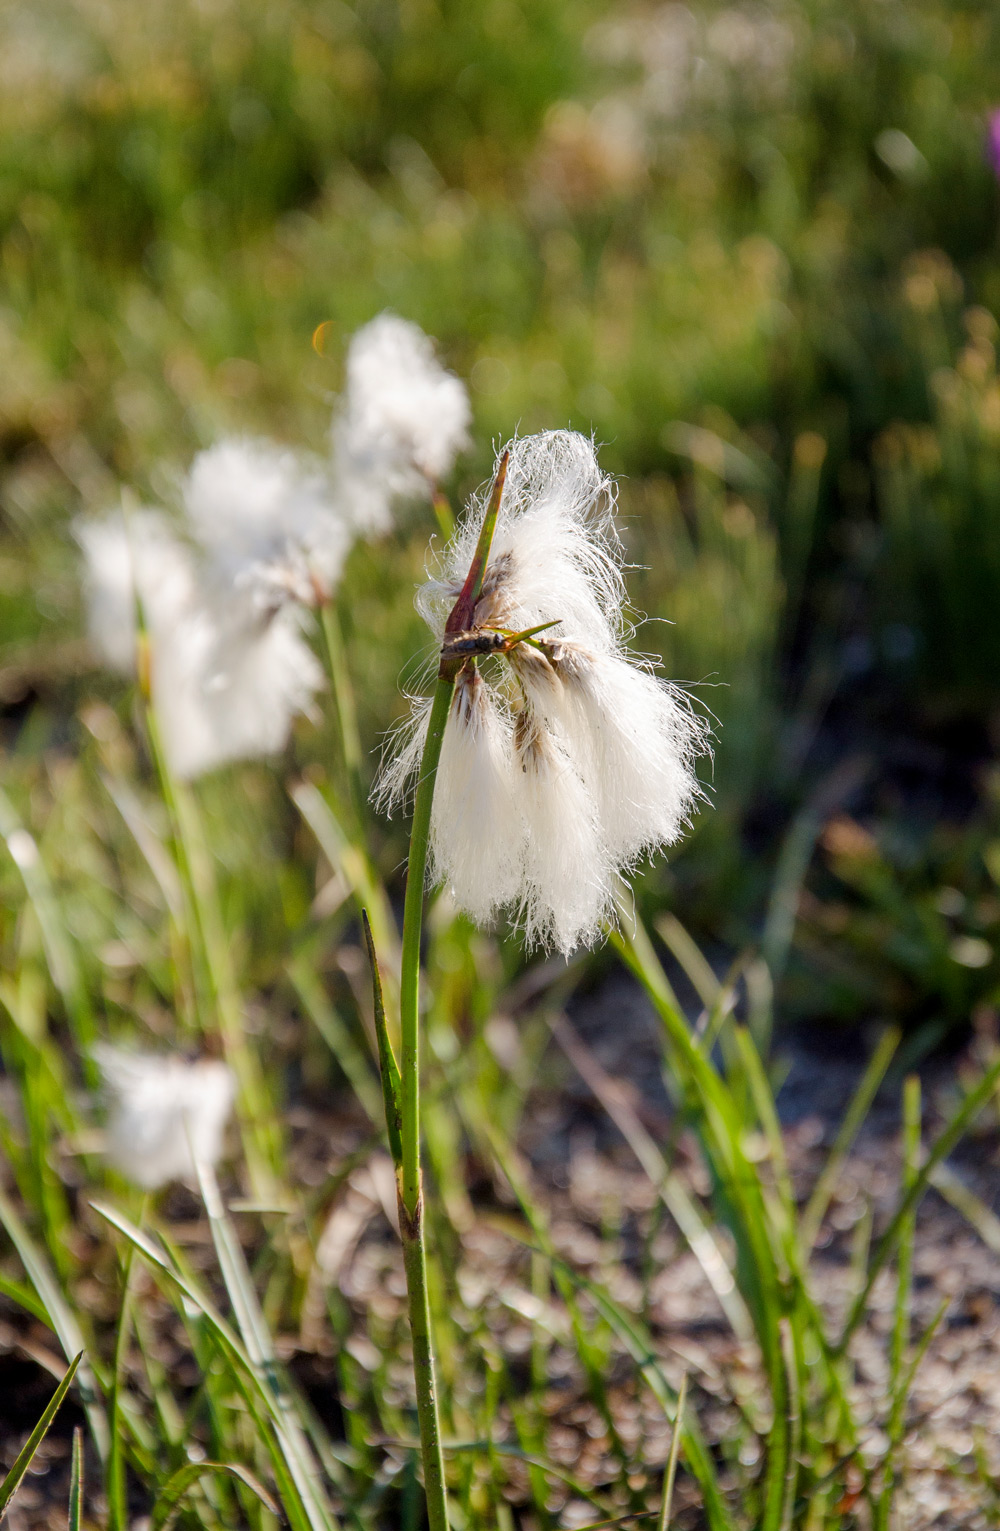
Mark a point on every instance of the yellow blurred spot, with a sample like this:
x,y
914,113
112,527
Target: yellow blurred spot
x,y
320,336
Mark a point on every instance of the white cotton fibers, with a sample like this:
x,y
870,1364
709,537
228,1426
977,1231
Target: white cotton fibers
x,y
164,1113
576,759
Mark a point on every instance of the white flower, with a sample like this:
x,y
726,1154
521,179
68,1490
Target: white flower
x,y
402,422
125,558
258,675
599,749
229,669
163,1113
266,517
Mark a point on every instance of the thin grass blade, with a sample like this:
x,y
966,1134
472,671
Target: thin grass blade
x,y
389,1068
60,1316
15,1477
352,1058
663,1523
679,1203
170,1500
76,1482
256,1336
858,1109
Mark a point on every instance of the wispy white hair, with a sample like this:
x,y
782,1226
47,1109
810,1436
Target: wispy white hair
x,y
402,422
602,749
164,1113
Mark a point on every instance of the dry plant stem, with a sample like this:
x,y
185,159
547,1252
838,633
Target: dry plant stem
x,y
411,1220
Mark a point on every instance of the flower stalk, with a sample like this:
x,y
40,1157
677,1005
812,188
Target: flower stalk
x,y
402,1093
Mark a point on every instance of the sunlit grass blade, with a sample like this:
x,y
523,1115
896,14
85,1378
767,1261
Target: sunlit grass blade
x,y
170,1500
248,1373
337,1035
900,1336
691,958
350,860
15,1477
678,1201
154,852
61,1317
389,1068
975,1211
76,1482
260,1349
663,1524
630,1331
115,1476
60,950
951,1134
815,1210
720,1124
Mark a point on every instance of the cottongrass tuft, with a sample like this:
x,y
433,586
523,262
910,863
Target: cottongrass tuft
x,y
263,539
266,517
227,672
402,422
164,1114
566,760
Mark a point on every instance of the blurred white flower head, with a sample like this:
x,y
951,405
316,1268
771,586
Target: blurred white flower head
x,y
163,1114
228,672
402,422
267,520
268,531
125,560
565,759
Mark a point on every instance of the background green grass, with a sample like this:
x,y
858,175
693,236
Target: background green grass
x,y
753,249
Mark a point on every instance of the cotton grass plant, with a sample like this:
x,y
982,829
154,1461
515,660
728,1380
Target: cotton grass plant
x,y
548,762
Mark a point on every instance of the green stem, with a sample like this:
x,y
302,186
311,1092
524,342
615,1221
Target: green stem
x,y
204,916
411,1220
347,712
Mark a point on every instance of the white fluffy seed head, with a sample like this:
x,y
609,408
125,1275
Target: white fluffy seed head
x,y
555,550
163,1114
126,557
266,516
257,676
604,750
476,827
228,672
565,890
403,420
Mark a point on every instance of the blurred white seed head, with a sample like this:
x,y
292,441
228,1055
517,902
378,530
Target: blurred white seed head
x,y
163,1113
602,749
228,671
403,420
267,519
257,675
125,558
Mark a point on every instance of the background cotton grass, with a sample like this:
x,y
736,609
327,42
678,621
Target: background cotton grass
x,y
401,423
262,539
164,1113
227,672
565,758
266,518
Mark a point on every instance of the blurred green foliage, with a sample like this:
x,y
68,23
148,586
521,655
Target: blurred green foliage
x,y
752,247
